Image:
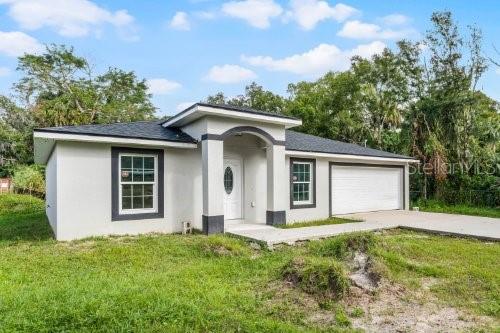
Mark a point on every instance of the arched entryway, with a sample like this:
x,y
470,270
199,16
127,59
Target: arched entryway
x,y
243,178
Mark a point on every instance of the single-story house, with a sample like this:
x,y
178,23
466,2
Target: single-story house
x,y
206,165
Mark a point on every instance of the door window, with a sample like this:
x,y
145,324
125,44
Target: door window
x,y
228,180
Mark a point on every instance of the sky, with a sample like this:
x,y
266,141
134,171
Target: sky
x,y
187,50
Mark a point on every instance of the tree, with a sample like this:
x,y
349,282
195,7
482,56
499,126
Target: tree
x,y
255,97
330,107
385,96
443,118
15,136
61,88
495,62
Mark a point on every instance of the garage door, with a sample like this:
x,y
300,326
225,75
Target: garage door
x,y
356,189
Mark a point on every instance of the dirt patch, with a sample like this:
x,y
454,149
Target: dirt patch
x,y
370,302
393,308
390,307
283,299
386,308
365,274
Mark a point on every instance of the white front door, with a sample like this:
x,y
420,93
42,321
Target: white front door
x,y
358,189
232,189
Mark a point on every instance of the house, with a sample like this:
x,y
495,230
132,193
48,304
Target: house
x,y
206,165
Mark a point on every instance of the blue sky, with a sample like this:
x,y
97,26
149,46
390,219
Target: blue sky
x,y
190,49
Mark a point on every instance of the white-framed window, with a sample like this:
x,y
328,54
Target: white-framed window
x,y
302,183
138,183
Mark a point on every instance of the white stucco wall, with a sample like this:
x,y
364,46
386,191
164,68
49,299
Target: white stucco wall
x,y
84,192
322,195
51,190
183,187
197,128
79,183
407,186
218,125
322,209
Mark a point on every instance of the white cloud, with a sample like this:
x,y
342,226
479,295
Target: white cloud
x,y
183,106
229,74
395,19
317,61
4,71
16,43
205,15
308,13
360,30
70,18
180,22
257,13
161,86
497,71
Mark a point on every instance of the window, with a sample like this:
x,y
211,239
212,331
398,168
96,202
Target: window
x,y
302,183
137,186
137,183
228,180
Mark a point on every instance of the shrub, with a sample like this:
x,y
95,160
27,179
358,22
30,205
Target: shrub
x,y
341,318
357,312
478,190
342,245
223,246
29,178
317,276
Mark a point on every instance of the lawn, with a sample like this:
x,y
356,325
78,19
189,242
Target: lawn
x,y
331,220
439,207
197,283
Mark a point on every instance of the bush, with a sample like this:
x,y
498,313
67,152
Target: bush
x,y
357,312
342,245
341,318
477,190
29,178
317,276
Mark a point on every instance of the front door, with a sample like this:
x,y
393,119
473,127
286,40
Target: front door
x,y
232,189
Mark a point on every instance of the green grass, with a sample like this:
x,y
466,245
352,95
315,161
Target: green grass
x,y
331,220
466,271
439,207
22,217
196,283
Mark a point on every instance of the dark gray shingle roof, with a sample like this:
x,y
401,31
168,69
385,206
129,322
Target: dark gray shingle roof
x,y
147,130
310,143
152,130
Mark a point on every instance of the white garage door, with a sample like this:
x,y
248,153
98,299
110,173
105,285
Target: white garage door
x,y
358,189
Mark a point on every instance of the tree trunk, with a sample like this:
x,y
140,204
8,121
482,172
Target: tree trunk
x,y
425,186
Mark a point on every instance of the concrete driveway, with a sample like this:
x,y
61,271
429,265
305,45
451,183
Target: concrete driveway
x,y
461,225
470,226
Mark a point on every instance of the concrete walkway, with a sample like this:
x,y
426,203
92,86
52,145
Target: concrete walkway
x,y
460,225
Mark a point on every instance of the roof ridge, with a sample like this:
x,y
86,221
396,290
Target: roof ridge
x,y
245,108
232,108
